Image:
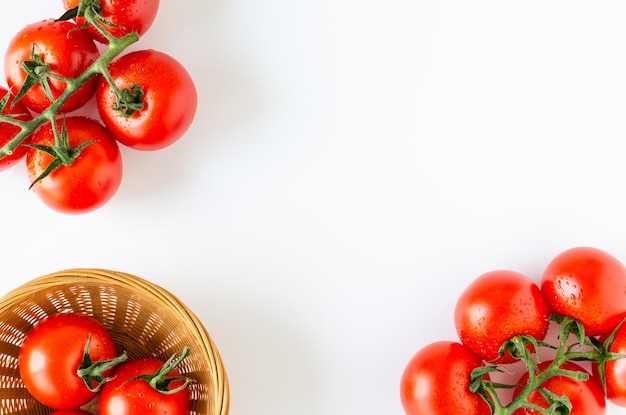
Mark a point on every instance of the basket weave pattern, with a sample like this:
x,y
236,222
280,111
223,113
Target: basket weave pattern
x,y
144,320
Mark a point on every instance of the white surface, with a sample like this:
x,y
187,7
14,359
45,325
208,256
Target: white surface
x,y
353,166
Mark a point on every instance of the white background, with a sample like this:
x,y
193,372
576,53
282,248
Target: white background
x,y
353,165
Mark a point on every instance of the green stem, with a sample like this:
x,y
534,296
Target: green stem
x,y
12,120
107,77
94,21
115,47
583,350
161,380
92,373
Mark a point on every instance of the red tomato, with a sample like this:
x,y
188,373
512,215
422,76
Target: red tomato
x,y
52,353
586,397
615,370
90,181
497,306
70,412
127,15
169,101
122,396
8,131
589,285
436,382
67,52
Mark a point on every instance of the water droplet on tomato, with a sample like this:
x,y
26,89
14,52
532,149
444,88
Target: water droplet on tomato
x,y
573,299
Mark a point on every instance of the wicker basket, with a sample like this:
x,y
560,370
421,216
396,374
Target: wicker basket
x,y
144,319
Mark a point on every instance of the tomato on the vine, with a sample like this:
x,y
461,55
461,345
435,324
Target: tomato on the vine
x,y
126,16
585,396
127,394
497,306
8,131
51,50
158,104
94,174
589,285
436,382
52,353
615,369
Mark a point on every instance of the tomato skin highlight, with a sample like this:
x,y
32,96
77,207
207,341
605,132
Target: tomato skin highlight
x,y
170,100
93,178
8,131
589,285
497,306
128,15
436,382
51,354
122,396
66,50
615,370
586,397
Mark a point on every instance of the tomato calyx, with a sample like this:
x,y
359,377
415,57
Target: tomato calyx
x,y
526,349
160,380
37,72
559,404
605,355
62,152
128,100
85,8
91,10
93,372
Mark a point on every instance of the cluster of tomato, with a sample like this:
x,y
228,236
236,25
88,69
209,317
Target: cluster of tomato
x,y
583,286
145,100
69,360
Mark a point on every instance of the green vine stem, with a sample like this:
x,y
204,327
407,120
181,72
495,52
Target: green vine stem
x,y
161,380
584,349
115,47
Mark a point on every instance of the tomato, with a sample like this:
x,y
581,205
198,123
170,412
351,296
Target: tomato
x,y
169,100
586,397
8,131
589,285
70,412
127,396
52,353
615,370
93,177
436,382
66,51
127,16
497,306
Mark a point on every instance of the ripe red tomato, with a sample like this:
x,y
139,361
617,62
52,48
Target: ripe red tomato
x,y
127,16
126,396
90,181
51,354
169,101
436,382
66,51
589,285
70,412
8,131
615,370
586,397
497,306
